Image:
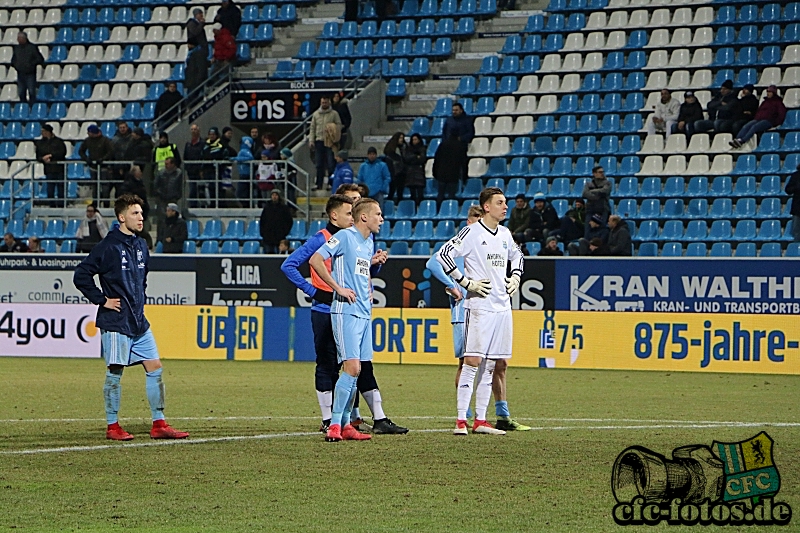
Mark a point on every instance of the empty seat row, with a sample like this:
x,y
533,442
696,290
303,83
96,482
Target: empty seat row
x,y
565,145
106,16
722,164
698,187
114,53
117,35
347,49
718,249
543,166
720,230
698,208
284,14
445,27
447,8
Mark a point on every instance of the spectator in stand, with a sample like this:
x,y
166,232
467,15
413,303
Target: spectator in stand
x,y
691,112
193,155
10,244
196,69
173,232
224,49
771,114
268,173
140,151
284,247
340,105
596,229
351,10
50,150
518,221
92,230
212,151
165,150
196,31
94,151
319,139
276,223
665,116
343,173
598,248
229,17
597,193
255,135
723,111
793,190
414,158
167,102
134,184
448,168
550,248
569,228
168,185
579,206
375,175
245,168
121,140
291,177
25,58
542,219
748,103
459,126
35,246
393,157
619,238
227,139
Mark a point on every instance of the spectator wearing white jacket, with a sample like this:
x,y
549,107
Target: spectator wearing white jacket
x,y
666,115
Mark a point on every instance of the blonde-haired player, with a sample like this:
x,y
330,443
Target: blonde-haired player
x,y
489,251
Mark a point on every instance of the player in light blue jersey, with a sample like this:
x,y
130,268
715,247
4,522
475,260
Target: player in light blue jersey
x,y
351,251
457,319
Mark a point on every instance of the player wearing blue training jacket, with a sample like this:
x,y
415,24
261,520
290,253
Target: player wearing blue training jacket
x,y
351,311
120,262
339,213
457,319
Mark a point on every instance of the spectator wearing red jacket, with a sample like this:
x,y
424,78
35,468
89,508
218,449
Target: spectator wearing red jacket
x,y
771,114
224,48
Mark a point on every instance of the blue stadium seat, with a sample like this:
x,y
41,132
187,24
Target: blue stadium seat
x,y
298,230
544,124
770,230
634,81
566,124
721,249
793,250
720,230
770,186
648,249
229,247
633,102
432,147
401,230
636,40
448,210
745,230
745,208
697,208
471,189
648,231
564,145
696,230
628,187
209,247
673,208
650,208
396,88
770,249
627,208
745,249
251,247
696,249
745,186
234,230
721,208
497,167
314,227
399,248
672,249
721,186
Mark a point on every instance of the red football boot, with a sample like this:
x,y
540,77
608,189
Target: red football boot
x,y
115,432
350,433
334,433
162,430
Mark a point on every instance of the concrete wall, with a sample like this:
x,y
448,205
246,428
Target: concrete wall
x,y
217,114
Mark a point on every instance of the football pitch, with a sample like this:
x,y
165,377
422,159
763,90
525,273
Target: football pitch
x,y
255,462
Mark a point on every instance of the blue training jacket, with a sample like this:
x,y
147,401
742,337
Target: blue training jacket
x,y
121,262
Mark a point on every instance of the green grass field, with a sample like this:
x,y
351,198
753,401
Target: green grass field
x,y
254,461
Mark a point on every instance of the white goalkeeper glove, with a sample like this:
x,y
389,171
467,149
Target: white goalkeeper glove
x,y
481,287
512,284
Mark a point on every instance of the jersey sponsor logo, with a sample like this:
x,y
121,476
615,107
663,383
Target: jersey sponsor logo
x,y
496,260
332,242
362,267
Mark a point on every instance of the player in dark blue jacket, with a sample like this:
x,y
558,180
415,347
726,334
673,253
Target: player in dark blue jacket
x,y
327,370
120,262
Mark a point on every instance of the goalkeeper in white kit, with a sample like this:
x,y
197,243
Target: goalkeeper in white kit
x,y
493,265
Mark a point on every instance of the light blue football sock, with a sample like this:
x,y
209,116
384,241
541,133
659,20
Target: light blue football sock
x,y
348,413
501,408
112,392
355,414
469,412
341,396
155,393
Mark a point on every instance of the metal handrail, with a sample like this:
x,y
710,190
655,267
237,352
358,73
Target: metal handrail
x,y
297,134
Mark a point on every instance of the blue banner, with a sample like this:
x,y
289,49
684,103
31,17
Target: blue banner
x,y
753,286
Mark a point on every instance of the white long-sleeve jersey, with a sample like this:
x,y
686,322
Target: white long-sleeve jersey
x,y
487,255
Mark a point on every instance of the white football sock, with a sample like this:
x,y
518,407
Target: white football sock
x,y
464,392
325,399
373,398
483,391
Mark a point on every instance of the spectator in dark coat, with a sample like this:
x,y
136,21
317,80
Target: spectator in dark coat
x,y
196,30
542,219
690,112
447,168
166,102
459,126
550,248
95,150
340,105
597,192
193,157
771,114
596,229
173,232
723,111
519,218
619,238
748,104
121,140
276,223
569,228
415,157
50,150
393,157
25,58
10,244
168,183
134,184
793,190
597,248
140,151
230,16
196,68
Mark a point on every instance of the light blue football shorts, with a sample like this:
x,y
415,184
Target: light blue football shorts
x,y
119,349
353,336
458,339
